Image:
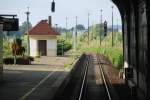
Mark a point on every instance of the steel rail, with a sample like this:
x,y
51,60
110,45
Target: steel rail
x,y
84,79
103,77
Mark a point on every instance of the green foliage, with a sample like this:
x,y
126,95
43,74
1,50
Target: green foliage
x,y
7,40
7,47
80,27
21,32
119,37
69,63
68,34
19,60
115,54
17,48
23,28
83,37
96,29
63,46
19,41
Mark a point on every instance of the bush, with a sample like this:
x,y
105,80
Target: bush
x,y
116,57
30,58
63,45
7,47
19,60
9,60
23,61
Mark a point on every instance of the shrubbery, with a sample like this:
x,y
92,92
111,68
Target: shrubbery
x,y
19,60
63,46
114,54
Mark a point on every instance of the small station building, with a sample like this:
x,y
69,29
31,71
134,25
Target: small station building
x,y
43,39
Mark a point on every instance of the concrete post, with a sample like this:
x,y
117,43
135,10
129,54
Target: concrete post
x,y
1,52
28,41
88,29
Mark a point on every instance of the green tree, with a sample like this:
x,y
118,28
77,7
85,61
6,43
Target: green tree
x,y
96,30
80,27
21,32
23,27
63,46
7,47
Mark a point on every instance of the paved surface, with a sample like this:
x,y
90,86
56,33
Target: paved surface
x,y
43,64
33,82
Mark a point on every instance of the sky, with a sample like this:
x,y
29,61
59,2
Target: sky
x,y
41,9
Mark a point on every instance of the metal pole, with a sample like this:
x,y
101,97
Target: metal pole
x,y
56,27
28,41
1,52
74,39
62,49
15,42
92,34
101,26
112,28
76,32
66,27
88,28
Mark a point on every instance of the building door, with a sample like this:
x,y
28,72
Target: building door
x,y
42,45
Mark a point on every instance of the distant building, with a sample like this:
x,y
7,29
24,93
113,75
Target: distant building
x,y
43,39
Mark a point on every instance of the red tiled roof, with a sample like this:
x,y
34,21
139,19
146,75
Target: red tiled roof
x,y
43,28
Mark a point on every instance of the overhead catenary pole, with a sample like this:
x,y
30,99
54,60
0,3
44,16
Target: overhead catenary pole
x,y
88,29
28,42
62,48
76,31
112,27
66,27
101,21
92,34
56,27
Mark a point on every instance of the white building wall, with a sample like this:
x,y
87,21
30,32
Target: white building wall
x,y
52,47
33,47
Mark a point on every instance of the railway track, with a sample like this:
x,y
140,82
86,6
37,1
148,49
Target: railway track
x,y
105,81
103,90
110,90
86,81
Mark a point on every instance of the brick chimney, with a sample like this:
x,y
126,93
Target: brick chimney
x,y
50,21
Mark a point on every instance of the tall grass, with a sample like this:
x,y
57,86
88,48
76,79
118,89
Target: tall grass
x,y
114,54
